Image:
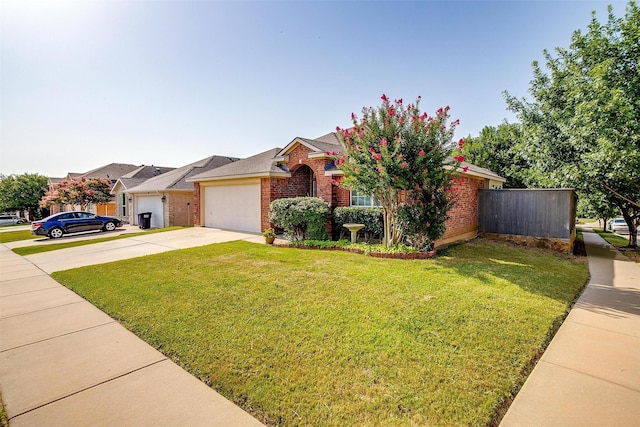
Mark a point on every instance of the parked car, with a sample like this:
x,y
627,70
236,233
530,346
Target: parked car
x,y
10,220
619,225
55,226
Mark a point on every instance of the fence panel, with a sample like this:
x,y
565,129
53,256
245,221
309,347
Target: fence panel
x,y
540,213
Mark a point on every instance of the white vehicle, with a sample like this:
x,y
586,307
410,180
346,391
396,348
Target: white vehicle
x,y
619,226
10,220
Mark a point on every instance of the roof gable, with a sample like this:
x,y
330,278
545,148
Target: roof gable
x,y
319,146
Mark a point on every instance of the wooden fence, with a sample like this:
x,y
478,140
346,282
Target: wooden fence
x,y
533,217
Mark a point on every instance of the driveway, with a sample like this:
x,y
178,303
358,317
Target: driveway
x,y
132,247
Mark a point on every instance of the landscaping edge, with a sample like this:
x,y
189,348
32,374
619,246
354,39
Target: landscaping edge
x,y
398,255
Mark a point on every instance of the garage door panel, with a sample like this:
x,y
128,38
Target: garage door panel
x,y
151,204
234,207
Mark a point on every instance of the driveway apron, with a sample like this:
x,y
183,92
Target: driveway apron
x,y
63,362
590,373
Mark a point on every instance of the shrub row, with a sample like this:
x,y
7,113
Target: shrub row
x,y
300,217
305,218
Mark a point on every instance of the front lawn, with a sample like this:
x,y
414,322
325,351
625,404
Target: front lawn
x,y
307,337
16,235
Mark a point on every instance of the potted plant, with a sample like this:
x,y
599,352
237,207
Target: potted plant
x,y
269,235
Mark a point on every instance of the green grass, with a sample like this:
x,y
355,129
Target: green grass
x,y
587,220
14,236
3,416
306,337
36,249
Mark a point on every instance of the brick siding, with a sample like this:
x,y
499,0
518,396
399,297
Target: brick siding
x,y
463,217
196,206
180,207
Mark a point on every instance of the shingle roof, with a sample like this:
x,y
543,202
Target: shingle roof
x,y
147,171
262,164
266,163
478,171
112,171
131,182
177,179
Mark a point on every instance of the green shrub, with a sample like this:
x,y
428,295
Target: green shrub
x,y
300,217
323,243
370,217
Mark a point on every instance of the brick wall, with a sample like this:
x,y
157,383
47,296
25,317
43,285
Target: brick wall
x,y
463,217
299,184
340,196
267,190
180,207
196,205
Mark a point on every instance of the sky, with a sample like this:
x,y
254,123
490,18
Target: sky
x,y
85,83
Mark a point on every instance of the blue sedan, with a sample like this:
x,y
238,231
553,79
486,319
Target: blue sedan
x,y
55,226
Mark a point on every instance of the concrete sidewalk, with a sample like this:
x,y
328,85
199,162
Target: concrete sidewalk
x,y
590,373
63,362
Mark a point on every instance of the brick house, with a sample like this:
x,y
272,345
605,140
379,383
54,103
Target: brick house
x,y
237,195
168,196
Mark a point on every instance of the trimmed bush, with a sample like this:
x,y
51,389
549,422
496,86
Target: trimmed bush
x,y
372,219
300,217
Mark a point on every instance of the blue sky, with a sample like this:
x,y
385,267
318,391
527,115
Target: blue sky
x,y
168,82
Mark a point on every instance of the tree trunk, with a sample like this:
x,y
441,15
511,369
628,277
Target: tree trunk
x,y
633,236
633,229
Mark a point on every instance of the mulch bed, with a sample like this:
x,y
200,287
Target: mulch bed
x,y
579,248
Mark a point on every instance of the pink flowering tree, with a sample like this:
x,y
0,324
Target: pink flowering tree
x,y
402,157
78,191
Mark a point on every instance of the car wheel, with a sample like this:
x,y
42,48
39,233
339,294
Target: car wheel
x,y
56,233
110,226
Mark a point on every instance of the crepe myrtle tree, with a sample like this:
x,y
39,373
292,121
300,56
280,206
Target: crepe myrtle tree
x,y
401,156
78,191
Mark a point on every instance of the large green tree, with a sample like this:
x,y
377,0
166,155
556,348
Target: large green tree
x,y
582,127
400,156
22,192
496,149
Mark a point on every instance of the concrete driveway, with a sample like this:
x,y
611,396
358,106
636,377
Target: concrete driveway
x,y
131,247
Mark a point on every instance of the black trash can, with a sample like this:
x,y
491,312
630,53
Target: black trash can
x,y
144,220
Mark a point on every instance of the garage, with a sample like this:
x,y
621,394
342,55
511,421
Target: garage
x,y
233,206
151,204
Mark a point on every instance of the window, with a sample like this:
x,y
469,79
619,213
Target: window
x,y
124,204
363,200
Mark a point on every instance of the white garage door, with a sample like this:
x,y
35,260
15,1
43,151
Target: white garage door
x,y
151,204
235,207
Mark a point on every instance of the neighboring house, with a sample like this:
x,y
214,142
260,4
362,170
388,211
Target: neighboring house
x,y
169,196
130,180
112,172
237,196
